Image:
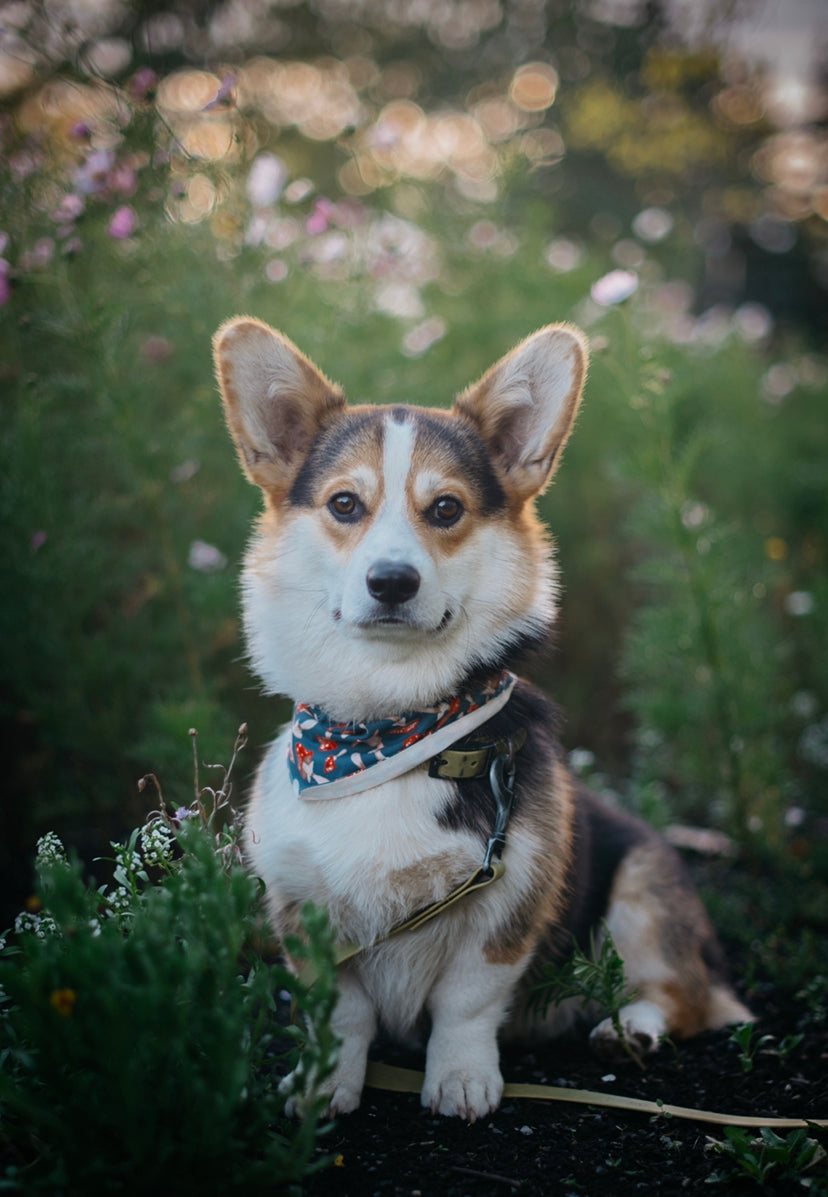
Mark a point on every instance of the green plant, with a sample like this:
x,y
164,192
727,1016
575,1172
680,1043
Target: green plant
x,y
743,1036
815,994
597,977
768,1157
139,1039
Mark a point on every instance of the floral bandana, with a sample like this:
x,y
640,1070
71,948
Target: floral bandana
x,y
334,760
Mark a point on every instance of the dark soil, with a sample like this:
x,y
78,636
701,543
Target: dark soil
x,y
392,1146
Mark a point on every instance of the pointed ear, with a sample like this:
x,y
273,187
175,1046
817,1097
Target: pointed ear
x,y
525,405
275,400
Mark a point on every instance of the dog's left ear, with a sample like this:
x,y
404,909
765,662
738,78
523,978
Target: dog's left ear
x,y
525,405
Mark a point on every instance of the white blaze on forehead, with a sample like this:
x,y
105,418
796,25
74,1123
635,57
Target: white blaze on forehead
x,y
398,450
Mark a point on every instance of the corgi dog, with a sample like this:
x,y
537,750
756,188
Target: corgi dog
x,y
397,574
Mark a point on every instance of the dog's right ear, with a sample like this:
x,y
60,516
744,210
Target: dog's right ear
x,y
274,399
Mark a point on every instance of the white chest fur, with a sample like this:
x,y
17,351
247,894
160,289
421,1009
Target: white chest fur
x,y
372,858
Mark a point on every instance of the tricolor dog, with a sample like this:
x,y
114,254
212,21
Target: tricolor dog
x,y
397,574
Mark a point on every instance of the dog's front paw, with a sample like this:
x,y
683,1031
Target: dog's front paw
x,y
463,1093
642,1027
344,1095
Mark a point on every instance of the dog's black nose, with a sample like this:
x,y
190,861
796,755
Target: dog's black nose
x,y
392,581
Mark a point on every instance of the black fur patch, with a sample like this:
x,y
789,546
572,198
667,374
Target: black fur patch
x,y
470,805
470,453
327,448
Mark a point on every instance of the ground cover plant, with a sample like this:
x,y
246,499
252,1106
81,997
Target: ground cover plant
x,y
406,206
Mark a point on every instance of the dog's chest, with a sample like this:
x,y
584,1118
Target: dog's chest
x,y
372,859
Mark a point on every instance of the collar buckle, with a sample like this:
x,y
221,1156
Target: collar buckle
x,y
476,759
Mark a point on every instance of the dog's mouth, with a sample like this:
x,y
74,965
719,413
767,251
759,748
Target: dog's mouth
x,y
398,620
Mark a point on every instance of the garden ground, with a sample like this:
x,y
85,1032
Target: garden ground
x,y
393,1146
537,1148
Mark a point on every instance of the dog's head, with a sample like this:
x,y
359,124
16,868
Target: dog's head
x,y
399,551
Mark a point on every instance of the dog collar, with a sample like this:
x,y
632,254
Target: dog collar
x,y
334,760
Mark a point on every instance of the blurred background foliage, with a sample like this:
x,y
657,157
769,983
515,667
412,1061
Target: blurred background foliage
x,y
407,188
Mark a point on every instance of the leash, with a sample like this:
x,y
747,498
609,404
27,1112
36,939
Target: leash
x,y
498,759
405,1080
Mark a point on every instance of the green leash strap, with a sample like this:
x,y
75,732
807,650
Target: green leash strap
x,y
404,1080
308,973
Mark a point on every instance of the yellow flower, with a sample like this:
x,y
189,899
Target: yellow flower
x,y
63,1000
339,1162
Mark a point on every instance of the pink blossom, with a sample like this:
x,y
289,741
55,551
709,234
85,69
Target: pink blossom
x,y
38,540
614,287
69,209
123,224
122,178
40,256
5,285
156,349
320,218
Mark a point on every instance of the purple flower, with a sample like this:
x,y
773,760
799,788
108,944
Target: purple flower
x,y
142,83
224,95
123,224
5,285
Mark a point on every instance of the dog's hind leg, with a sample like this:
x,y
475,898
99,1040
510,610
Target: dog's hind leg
x,y
671,957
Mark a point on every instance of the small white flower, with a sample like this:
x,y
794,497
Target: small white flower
x,y
156,844
119,902
563,255
206,558
40,925
614,287
653,224
799,602
50,850
581,760
266,180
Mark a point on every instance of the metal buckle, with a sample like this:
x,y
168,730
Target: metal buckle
x,y
502,782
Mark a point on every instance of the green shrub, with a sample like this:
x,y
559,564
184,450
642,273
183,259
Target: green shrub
x,y
139,1044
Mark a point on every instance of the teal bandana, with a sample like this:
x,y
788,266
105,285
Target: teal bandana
x,y
333,760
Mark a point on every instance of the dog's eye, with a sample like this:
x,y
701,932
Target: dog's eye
x,y
345,506
445,511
